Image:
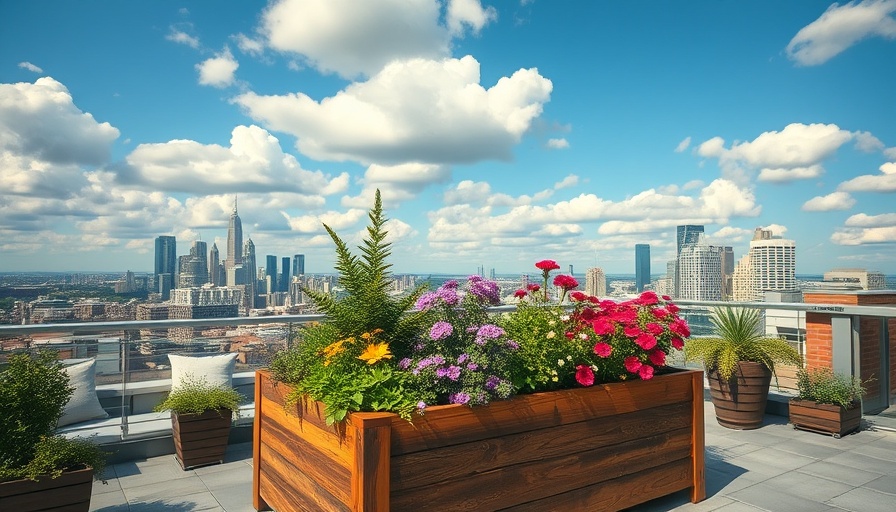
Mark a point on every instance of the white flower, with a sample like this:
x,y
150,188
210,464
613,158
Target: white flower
x,y
565,318
569,358
583,336
551,335
560,362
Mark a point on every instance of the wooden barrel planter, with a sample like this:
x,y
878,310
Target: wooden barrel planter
x,y
70,492
201,439
607,447
740,403
825,418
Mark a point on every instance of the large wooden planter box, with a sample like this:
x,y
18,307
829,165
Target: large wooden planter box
x,y
606,447
825,418
201,439
70,492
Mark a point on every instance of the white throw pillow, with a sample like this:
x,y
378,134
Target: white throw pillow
x,y
216,370
84,404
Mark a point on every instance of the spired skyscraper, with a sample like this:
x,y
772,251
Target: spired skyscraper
x,y
214,276
234,239
642,266
165,264
251,283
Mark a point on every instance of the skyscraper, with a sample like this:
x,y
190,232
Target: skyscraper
x,y
686,234
270,270
251,284
769,266
165,264
194,266
700,271
596,282
283,282
213,262
234,239
642,266
298,265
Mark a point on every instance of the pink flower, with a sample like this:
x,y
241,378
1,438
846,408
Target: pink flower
x,y
677,343
632,364
520,294
648,298
646,341
632,331
654,328
584,375
547,265
624,316
657,357
577,296
660,313
603,326
603,349
565,282
645,372
672,308
532,287
666,297
680,327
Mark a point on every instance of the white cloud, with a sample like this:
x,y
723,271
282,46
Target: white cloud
x,y
840,27
468,13
683,145
336,220
397,183
832,202
776,229
884,182
691,185
30,67
254,162
867,142
180,37
219,70
864,236
248,45
558,143
862,220
890,153
468,192
355,38
412,111
787,175
568,182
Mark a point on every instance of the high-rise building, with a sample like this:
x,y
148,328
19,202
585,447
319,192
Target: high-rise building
x,y
251,284
283,282
298,265
727,272
742,280
193,268
214,277
165,264
700,271
861,278
596,282
685,235
234,239
771,267
270,270
642,266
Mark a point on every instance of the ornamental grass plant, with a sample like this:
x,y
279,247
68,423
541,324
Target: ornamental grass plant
x,y
195,395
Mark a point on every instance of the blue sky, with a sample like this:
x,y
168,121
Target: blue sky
x,y
500,133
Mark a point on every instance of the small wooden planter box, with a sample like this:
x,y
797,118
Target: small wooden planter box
x,y
201,439
70,492
607,447
825,418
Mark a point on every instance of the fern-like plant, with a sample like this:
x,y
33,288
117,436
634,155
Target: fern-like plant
x,y
737,338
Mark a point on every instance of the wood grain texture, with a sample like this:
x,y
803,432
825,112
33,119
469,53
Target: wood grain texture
x,y
71,491
257,501
824,418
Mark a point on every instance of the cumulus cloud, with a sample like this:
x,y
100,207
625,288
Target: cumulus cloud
x,y
468,192
840,27
468,13
397,183
178,36
355,38
568,182
683,145
884,182
867,142
248,45
788,175
219,70
254,162
862,220
30,67
558,143
864,236
425,111
832,202
890,153
336,220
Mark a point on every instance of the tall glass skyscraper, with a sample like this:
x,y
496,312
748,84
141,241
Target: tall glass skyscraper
x,y
298,265
284,275
688,235
642,266
234,239
270,270
165,264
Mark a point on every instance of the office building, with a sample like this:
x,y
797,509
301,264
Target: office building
x,y
270,271
250,299
214,276
770,266
596,282
193,268
165,264
700,271
283,282
642,266
687,234
727,272
234,240
298,265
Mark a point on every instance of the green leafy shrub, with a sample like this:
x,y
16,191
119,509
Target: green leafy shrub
x,y
196,395
824,386
55,454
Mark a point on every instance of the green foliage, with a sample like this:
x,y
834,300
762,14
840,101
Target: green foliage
x,y
196,395
33,392
738,338
824,386
546,357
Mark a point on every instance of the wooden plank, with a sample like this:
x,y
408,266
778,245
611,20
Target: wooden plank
x,y
306,410
70,489
257,501
287,490
433,466
698,441
453,424
522,483
335,446
371,472
620,493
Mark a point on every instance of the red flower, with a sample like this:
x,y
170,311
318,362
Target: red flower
x,y
577,296
658,357
672,308
633,364
648,298
519,294
602,349
654,328
584,375
547,265
645,372
646,341
603,326
533,287
594,300
677,343
632,331
624,316
666,297
569,335
680,327
660,313
565,282
588,314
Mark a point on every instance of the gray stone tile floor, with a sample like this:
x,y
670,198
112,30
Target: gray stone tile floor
x,y
774,468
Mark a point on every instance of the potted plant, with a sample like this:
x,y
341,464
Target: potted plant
x,y
828,402
740,362
201,416
40,470
396,403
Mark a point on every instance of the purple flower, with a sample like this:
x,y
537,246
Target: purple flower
x,y
426,301
488,332
472,367
438,359
441,330
453,372
458,398
512,345
484,290
451,283
423,363
492,383
441,372
404,364
462,358
421,405
448,295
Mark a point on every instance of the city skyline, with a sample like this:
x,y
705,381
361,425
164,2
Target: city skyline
x,y
500,133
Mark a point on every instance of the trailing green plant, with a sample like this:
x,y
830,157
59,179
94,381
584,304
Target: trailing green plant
x,y
196,395
737,338
825,386
34,389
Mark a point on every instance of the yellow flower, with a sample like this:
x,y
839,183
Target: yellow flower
x,y
375,352
334,348
377,331
366,336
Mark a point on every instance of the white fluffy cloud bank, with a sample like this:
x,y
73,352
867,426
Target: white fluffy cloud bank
x,y
883,182
831,202
840,27
219,70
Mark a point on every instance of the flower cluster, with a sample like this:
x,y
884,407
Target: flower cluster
x,y
462,358
592,340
